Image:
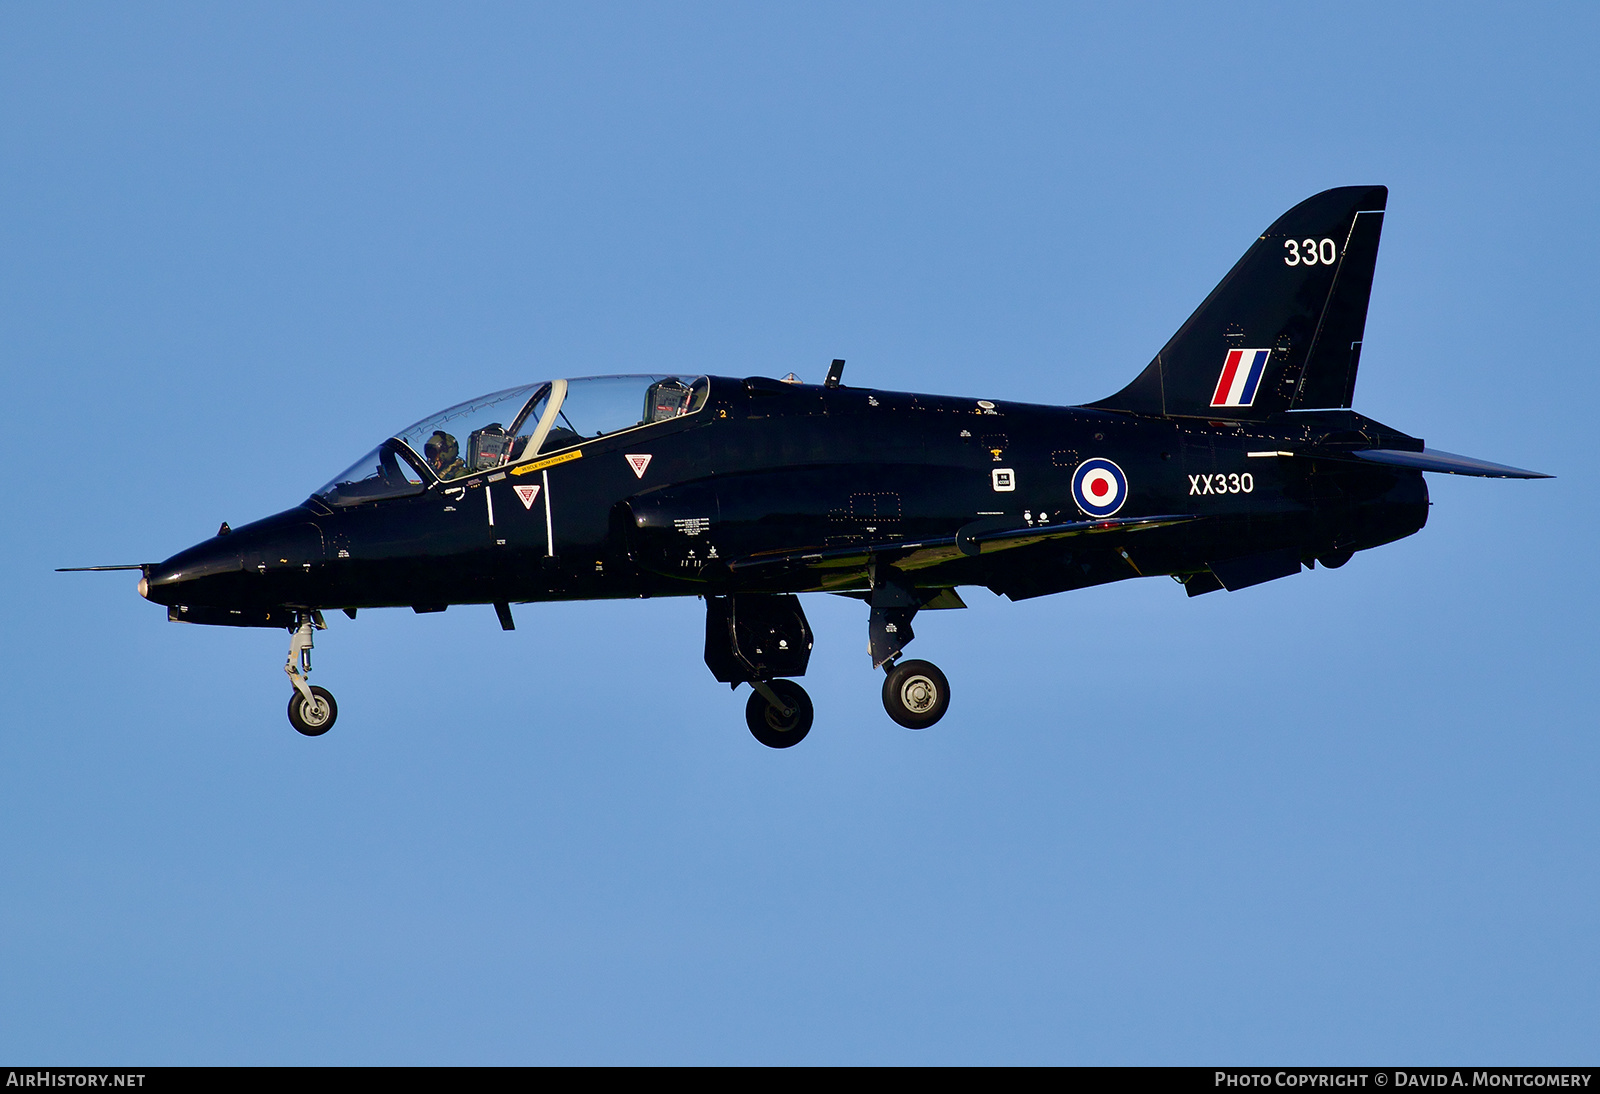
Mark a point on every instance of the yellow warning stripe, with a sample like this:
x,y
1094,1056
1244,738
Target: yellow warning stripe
x,y
540,465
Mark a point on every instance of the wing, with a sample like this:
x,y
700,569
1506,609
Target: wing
x,y
843,565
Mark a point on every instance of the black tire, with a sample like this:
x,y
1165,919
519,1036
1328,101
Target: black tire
x,y
916,694
313,722
767,723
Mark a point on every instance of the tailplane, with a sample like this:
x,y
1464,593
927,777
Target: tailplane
x,y
1282,331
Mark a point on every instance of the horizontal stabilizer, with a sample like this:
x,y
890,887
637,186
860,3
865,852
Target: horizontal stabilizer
x,y
1431,459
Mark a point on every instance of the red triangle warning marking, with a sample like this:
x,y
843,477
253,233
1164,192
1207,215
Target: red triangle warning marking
x,y
638,463
527,494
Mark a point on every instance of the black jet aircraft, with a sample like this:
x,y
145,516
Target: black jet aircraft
x,y
1232,459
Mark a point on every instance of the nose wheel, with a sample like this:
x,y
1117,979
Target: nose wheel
x,y
311,709
315,716
779,713
916,694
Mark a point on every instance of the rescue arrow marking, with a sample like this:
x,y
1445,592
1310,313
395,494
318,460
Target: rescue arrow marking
x,y
540,465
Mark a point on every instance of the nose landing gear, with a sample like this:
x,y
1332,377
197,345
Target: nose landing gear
x,y
313,716
311,709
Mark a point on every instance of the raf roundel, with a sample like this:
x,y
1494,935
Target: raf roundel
x,y
1099,487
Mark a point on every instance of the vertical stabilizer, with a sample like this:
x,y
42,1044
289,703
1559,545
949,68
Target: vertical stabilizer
x,y
1283,329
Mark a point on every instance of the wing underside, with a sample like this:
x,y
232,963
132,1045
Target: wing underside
x,y
843,566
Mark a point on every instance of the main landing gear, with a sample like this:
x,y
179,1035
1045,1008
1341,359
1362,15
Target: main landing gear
x,y
916,694
761,638
779,713
311,709
757,639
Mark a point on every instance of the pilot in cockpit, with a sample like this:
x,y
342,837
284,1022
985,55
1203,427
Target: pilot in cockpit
x,y
444,455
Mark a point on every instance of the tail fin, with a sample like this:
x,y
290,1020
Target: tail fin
x,y
1283,330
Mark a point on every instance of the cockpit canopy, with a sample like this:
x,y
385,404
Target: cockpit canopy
x,y
509,427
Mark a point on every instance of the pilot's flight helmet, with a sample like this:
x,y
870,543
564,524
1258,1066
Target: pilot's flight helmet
x,y
441,443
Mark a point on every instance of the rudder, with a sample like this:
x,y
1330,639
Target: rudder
x,y
1282,331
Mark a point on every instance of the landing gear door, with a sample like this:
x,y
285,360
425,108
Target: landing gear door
x,y
756,636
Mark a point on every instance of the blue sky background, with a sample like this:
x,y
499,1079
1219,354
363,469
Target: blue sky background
x,y
1348,817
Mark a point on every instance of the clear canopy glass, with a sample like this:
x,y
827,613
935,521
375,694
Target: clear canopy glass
x,y
385,472
475,435
507,427
596,406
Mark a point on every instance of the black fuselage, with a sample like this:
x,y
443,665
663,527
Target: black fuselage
x,y
769,469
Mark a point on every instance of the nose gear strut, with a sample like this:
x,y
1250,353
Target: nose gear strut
x,y
311,709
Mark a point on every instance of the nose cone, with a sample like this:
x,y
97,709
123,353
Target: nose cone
x,y
258,564
191,574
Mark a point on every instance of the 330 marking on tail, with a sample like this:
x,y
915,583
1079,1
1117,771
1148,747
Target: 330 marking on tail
x,y
1309,252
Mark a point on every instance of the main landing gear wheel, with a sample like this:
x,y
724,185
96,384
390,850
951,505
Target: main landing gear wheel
x,y
770,725
313,719
916,694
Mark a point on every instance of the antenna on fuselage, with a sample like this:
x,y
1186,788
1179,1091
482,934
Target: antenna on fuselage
x,y
835,371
